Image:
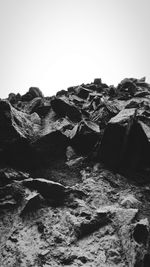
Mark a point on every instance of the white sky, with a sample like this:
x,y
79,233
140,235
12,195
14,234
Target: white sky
x,y
54,44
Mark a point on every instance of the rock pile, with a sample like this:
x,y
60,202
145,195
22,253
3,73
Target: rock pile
x,y
55,153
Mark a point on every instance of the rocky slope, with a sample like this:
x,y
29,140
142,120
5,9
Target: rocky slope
x,y
75,176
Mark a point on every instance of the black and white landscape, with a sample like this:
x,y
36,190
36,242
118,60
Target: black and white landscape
x,y
75,176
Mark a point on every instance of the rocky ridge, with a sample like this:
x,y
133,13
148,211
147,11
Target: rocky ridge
x,y
74,176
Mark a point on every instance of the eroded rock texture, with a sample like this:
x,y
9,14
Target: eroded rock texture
x,y
75,176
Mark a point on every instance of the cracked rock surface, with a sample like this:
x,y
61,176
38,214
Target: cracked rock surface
x,y
75,177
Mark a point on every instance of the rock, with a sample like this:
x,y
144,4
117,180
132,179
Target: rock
x,y
104,112
8,175
31,94
61,93
70,153
129,201
78,207
87,226
17,129
11,195
63,109
126,89
50,147
48,189
34,202
35,104
83,92
119,216
97,81
14,125
86,136
124,143
141,231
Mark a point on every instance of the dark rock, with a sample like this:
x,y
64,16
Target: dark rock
x,y
63,109
17,129
15,125
31,94
97,81
78,207
86,135
8,175
11,195
83,92
141,232
124,143
48,189
126,89
146,261
35,104
61,93
99,219
50,146
34,202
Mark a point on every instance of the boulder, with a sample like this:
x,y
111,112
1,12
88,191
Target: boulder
x,y
50,147
124,143
83,92
85,136
62,108
17,129
31,94
97,81
48,189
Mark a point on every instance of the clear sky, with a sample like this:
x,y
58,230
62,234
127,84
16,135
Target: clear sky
x,y
54,44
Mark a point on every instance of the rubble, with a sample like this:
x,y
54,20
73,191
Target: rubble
x,y
74,176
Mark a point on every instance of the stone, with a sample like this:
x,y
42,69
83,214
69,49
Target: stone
x,y
86,136
31,94
34,202
129,201
63,109
141,231
83,92
17,129
97,81
124,143
8,175
48,189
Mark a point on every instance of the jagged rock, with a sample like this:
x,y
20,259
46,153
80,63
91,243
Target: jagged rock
x,y
104,112
124,142
15,125
32,93
63,109
84,209
50,146
93,223
85,137
129,201
61,93
11,195
48,189
8,175
34,202
35,104
17,129
97,81
13,98
141,232
126,89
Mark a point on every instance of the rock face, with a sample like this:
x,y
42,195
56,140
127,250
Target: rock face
x,y
74,176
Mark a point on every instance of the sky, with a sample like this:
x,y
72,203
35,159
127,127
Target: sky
x,y
54,44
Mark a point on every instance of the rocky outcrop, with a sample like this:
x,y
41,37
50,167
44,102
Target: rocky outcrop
x,y
74,176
